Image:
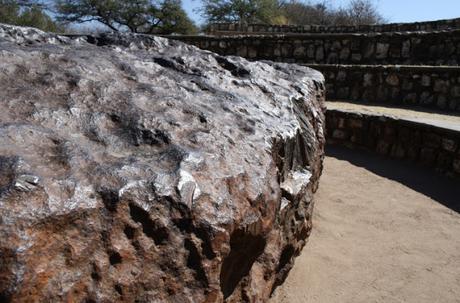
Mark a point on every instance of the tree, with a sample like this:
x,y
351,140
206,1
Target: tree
x,y
27,13
358,12
300,13
9,12
35,17
137,16
363,12
243,11
175,19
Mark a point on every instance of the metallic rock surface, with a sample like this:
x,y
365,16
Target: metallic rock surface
x,y
139,169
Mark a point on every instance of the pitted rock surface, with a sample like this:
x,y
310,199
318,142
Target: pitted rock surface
x,y
139,169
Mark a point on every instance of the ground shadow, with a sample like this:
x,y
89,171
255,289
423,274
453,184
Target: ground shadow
x,y
423,180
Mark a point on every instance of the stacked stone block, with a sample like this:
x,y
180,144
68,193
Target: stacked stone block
x,y
429,145
432,87
412,48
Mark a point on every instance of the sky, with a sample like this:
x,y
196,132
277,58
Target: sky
x,y
392,10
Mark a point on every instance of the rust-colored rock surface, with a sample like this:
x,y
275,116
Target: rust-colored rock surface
x,y
138,169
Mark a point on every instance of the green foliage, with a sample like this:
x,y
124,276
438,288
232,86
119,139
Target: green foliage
x,y
26,13
297,12
363,12
322,13
35,17
244,11
174,19
301,13
9,12
138,16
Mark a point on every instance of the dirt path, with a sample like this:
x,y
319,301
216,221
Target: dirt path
x,y
377,240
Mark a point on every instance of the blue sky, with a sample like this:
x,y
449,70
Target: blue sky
x,y
393,10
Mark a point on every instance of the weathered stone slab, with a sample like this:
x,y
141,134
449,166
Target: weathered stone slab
x,y
139,169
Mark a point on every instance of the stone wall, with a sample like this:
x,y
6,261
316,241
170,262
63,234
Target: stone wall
x,y
236,28
425,144
416,48
433,87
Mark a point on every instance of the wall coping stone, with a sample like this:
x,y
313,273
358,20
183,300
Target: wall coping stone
x,y
414,122
232,28
428,68
315,35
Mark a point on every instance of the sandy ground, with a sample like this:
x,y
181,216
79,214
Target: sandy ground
x,y
423,115
376,239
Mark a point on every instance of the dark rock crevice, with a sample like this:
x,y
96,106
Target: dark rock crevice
x,y
194,262
7,172
234,69
245,248
151,229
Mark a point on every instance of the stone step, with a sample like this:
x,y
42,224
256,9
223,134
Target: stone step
x,y
429,139
430,87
